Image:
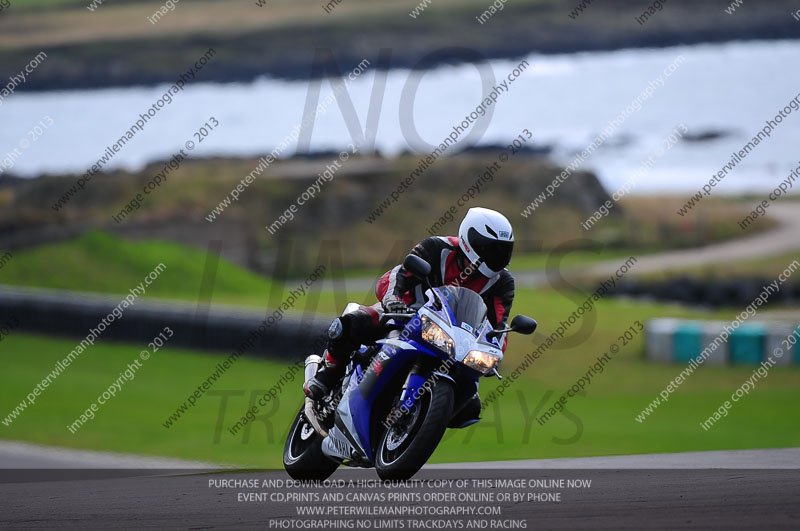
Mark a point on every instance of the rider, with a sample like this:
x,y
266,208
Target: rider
x,y
476,260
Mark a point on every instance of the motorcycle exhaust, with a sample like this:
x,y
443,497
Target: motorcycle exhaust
x,y
311,366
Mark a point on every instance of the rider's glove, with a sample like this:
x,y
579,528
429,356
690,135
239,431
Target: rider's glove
x,y
394,305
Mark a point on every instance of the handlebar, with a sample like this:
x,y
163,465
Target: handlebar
x,y
396,315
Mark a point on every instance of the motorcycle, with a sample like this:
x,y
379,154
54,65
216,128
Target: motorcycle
x,y
397,397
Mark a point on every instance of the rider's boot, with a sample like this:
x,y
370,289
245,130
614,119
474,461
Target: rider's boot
x,y
345,334
327,376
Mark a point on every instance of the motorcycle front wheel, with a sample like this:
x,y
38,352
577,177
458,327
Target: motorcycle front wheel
x,y
410,441
302,455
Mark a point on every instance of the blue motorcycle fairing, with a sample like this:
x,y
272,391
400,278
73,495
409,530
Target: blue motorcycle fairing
x,y
354,411
394,355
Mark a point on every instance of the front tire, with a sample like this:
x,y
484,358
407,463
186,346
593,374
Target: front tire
x,y
302,454
404,448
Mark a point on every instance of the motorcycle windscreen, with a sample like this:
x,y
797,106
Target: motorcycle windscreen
x,y
467,306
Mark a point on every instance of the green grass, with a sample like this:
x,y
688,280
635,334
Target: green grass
x,y
104,263
132,422
100,262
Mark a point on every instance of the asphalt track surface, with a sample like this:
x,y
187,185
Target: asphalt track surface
x,y
780,240
750,489
19,455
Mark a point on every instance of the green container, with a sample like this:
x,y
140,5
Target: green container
x,y
747,344
687,343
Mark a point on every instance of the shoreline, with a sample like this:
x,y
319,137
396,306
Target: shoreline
x,y
288,53
293,73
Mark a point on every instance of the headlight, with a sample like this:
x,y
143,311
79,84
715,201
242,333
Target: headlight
x,y
481,361
433,334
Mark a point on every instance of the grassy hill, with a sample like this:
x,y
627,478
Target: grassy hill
x,y
100,262
334,224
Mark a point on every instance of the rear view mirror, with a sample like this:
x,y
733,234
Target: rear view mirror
x,y
522,324
417,266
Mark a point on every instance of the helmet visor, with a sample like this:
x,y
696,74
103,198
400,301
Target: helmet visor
x,y
496,254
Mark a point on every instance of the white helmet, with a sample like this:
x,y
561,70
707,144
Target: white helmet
x,y
487,239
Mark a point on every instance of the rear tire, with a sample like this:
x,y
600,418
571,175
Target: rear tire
x,y
302,454
401,453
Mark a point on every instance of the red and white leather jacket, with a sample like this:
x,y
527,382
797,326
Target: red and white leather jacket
x,y
449,267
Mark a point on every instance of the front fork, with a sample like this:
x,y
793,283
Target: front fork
x,y
412,385
415,381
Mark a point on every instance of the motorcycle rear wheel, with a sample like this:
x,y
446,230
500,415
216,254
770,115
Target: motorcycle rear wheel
x,y
302,454
404,448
